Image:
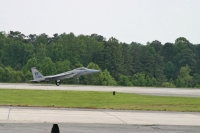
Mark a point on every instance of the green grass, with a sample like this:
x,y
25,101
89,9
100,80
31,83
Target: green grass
x,y
96,100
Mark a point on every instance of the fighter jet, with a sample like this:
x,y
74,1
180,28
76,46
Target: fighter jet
x,y
38,77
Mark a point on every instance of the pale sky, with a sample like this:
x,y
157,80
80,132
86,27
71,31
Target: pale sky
x,y
126,20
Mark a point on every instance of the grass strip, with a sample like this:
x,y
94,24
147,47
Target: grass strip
x,y
97,100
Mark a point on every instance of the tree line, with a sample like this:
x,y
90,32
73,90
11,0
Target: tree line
x,y
154,64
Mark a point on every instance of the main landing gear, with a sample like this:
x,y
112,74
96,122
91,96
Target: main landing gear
x,y
58,82
77,79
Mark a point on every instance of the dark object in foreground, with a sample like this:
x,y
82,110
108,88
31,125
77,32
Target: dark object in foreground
x,y
113,92
55,129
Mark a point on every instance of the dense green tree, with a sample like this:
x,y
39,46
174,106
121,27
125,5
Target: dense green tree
x,y
41,39
152,64
27,76
56,52
32,62
18,76
184,79
124,81
63,66
127,60
99,38
2,74
16,36
168,85
157,46
32,38
70,47
106,79
104,56
186,56
197,70
28,53
48,67
170,70
184,53
116,61
136,53
16,54
148,61
111,57
151,81
9,75
168,52
139,79
159,68
2,44
196,79
40,52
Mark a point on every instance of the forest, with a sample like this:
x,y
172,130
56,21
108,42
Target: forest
x,y
153,64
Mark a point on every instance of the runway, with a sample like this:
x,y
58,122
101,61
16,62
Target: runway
x,y
94,128
183,92
88,120
40,120
100,116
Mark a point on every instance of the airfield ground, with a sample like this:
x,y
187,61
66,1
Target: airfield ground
x,y
40,119
96,100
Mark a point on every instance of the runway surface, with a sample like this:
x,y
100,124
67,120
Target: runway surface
x,y
63,115
94,128
137,90
40,120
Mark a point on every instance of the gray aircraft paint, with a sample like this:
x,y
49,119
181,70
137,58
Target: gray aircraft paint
x,y
38,77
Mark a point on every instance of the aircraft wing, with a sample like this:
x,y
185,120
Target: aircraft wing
x,y
61,76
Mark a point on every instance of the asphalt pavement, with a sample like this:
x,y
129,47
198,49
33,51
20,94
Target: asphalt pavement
x,y
95,128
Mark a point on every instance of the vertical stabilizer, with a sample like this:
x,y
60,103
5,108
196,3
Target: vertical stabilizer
x,y
37,76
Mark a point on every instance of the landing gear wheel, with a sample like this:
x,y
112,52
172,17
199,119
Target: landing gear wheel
x,y
77,79
58,82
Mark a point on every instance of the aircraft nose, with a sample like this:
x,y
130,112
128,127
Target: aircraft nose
x,y
94,71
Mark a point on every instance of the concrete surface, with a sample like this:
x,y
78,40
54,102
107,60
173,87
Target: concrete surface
x,y
55,115
40,120
94,128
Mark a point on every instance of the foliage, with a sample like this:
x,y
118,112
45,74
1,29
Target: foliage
x,y
184,79
154,64
124,81
141,79
106,79
48,67
168,85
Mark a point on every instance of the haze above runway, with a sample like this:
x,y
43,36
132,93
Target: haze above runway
x,y
184,92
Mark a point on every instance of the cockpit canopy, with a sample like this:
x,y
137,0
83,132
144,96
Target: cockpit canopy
x,y
81,68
